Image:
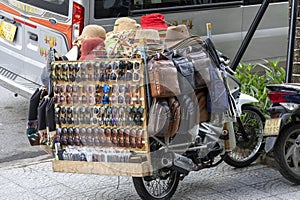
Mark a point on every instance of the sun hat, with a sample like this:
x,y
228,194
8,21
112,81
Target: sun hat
x,y
154,21
90,31
125,24
151,38
176,34
92,48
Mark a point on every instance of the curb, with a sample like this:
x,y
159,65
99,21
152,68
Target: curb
x,y
25,162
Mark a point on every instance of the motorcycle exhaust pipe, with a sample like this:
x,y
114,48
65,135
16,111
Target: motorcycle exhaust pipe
x,y
178,162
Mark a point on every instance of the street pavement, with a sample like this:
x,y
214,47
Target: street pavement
x,y
26,173
35,180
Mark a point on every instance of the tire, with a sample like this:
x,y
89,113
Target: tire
x,y
246,152
161,186
287,152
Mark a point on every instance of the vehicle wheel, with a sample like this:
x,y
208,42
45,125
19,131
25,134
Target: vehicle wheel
x,y
248,151
162,185
287,153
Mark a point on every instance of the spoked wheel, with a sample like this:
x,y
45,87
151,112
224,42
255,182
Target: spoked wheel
x,y
161,185
287,153
247,149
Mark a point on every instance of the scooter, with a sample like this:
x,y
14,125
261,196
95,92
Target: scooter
x,y
282,130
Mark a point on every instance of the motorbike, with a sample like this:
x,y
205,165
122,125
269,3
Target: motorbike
x,y
282,130
235,137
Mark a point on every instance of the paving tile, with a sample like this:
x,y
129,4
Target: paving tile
x,y
38,181
290,196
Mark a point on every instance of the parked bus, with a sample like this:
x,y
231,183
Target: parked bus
x,y
30,26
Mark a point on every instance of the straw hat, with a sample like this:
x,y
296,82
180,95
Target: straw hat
x,y
90,31
176,34
150,36
125,24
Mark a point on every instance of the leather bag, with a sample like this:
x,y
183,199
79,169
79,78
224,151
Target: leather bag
x,y
186,74
203,113
159,117
161,77
175,116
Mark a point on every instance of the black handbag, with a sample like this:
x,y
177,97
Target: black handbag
x,y
186,76
50,116
33,104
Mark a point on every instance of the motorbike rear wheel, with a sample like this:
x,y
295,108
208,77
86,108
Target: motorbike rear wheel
x,y
287,153
246,152
160,186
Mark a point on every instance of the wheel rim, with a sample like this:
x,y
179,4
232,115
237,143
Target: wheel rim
x,y
161,184
292,151
253,125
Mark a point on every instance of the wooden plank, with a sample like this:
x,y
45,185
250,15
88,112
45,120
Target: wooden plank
x,y
103,168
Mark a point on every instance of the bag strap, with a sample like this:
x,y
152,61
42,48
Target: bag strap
x,y
190,41
210,47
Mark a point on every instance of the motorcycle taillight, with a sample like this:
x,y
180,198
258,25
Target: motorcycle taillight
x,y
278,97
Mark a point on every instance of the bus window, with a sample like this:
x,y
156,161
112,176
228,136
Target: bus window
x,y
250,2
50,5
111,8
148,4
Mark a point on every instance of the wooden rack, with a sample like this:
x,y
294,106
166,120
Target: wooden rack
x,y
100,107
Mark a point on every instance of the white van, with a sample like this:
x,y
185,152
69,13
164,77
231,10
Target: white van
x,y
28,26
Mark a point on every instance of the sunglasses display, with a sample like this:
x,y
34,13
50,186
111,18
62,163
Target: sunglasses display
x,y
99,104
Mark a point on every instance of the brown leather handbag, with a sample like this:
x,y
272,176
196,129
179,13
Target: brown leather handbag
x,y
203,113
175,116
163,77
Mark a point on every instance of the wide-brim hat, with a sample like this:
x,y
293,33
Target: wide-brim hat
x,y
176,34
90,31
125,24
149,36
92,48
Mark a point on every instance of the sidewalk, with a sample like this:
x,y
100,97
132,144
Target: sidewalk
x,y
37,181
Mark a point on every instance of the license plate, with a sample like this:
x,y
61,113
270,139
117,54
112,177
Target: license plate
x,y
272,126
8,31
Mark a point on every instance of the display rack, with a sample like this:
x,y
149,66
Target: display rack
x,y
100,114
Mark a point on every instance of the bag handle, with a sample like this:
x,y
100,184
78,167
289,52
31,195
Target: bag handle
x,y
210,47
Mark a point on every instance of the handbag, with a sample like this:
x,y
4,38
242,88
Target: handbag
x,y
203,113
32,132
50,123
186,74
201,62
175,116
42,124
161,76
189,112
218,96
159,118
